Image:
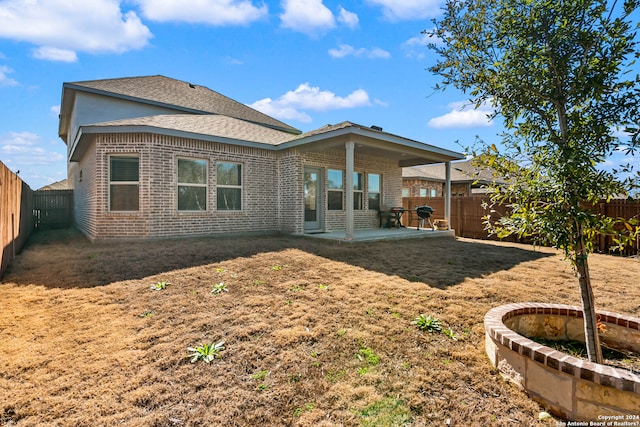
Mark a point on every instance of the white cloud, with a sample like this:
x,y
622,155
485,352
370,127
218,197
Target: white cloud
x,y
26,149
345,50
307,16
213,12
416,47
55,54
292,104
347,18
464,115
5,80
399,10
72,26
55,109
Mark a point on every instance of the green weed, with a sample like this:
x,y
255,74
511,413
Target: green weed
x,y
428,323
158,286
389,412
219,288
206,352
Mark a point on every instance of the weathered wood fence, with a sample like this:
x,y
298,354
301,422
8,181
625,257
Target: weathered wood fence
x,y
467,217
16,217
52,209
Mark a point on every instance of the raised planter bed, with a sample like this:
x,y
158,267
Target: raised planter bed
x,y
568,387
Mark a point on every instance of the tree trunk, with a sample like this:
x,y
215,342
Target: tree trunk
x,y
594,351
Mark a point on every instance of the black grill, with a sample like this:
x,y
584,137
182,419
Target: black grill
x,y
424,214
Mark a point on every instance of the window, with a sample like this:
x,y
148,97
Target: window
x,y
229,188
434,193
423,192
373,190
335,190
192,185
357,191
124,180
406,192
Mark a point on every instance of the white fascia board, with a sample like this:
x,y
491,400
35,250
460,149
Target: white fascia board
x,y
385,137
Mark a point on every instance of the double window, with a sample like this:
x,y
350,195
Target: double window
x,y
229,186
124,183
192,184
335,190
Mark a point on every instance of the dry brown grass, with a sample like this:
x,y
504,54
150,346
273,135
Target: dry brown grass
x,y
75,348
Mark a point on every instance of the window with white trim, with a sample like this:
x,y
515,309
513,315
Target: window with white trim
x,y
192,184
335,189
229,186
124,183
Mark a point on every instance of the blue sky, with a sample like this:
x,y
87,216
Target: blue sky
x,y
305,62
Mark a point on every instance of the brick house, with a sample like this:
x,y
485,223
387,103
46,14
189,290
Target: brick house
x,y
158,157
430,180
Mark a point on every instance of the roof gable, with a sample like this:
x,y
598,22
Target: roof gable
x,y
179,95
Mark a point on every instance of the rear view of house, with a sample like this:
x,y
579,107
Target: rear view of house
x,y
158,157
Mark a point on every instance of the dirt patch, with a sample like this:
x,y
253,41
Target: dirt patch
x,y
316,333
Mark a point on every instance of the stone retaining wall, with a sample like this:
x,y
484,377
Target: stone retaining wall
x,y
568,387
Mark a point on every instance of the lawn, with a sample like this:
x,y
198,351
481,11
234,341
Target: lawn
x,y
315,333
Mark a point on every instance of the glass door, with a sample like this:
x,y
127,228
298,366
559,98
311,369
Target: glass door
x,y
312,198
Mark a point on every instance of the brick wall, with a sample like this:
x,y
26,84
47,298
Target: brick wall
x,y
272,198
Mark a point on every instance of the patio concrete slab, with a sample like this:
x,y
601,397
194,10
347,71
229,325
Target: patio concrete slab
x,y
382,234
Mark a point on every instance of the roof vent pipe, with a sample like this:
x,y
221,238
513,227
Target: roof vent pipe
x,y
378,128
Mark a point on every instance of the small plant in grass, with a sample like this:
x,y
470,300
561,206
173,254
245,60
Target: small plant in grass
x,y
334,375
301,410
386,412
428,323
206,352
362,371
276,267
220,270
368,355
297,288
219,288
342,332
160,285
147,313
263,387
449,332
260,375
295,378
258,282
323,287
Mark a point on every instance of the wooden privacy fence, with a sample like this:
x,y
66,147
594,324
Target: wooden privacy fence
x,y
16,218
467,213
52,209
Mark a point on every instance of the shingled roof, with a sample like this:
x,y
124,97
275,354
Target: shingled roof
x,y
205,127
179,95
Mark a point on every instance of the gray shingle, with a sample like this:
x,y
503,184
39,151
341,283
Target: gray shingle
x,y
209,125
171,92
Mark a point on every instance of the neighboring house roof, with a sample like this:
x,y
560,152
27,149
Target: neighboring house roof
x,y
464,171
175,94
58,185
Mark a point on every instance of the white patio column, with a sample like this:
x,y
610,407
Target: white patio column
x,y
447,189
349,146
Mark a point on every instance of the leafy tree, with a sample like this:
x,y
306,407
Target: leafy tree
x,y
559,73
